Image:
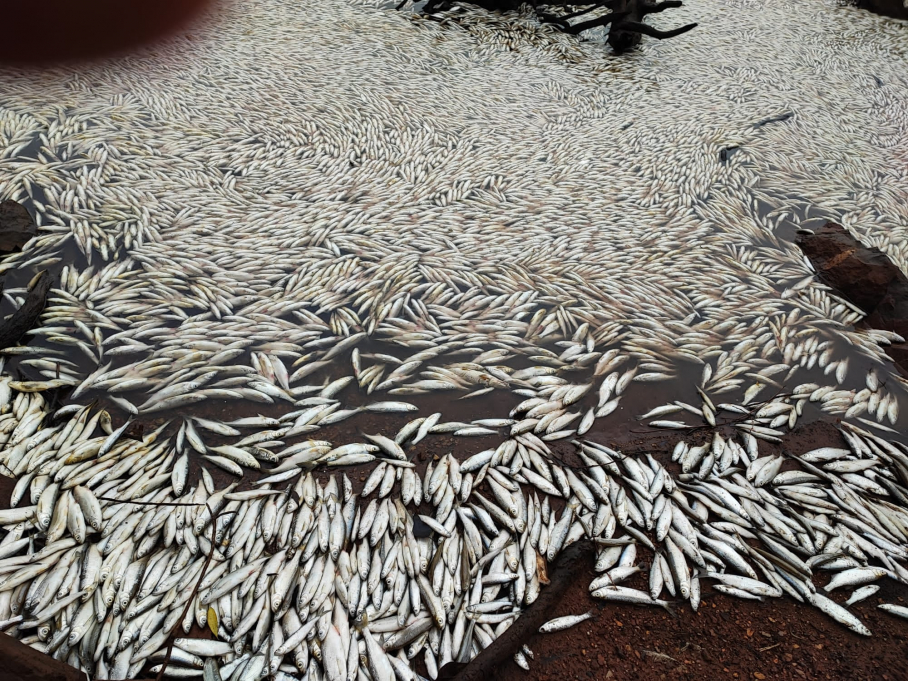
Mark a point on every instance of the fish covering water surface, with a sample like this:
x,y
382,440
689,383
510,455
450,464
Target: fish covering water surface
x,y
353,213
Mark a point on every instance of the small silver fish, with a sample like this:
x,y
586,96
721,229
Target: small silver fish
x,y
862,593
566,622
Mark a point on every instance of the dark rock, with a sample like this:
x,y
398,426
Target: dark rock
x,y
860,274
899,354
15,326
888,8
865,277
16,226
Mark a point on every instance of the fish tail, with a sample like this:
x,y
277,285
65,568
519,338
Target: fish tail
x,y
669,607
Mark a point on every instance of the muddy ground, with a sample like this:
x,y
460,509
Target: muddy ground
x,y
726,639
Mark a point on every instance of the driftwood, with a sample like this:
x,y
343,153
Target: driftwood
x,y
23,663
567,568
626,32
625,16
25,317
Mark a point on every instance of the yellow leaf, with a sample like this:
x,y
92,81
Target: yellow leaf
x,y
212,620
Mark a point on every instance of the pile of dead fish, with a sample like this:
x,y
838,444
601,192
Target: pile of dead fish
x,y
306,213
110,548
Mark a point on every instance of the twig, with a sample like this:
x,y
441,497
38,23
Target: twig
x,y
153,503
659,656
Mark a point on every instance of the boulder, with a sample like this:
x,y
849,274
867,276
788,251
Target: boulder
x,y
865,277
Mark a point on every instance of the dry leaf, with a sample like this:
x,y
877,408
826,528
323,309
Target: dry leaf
x,y
212,620
541,570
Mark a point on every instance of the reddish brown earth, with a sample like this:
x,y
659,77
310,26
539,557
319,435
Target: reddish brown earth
x,y
727,638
